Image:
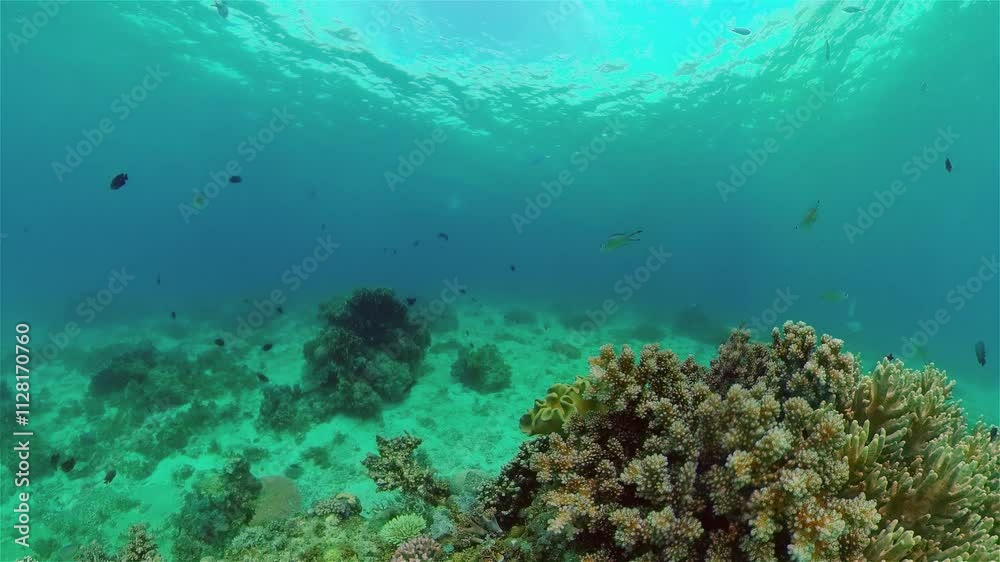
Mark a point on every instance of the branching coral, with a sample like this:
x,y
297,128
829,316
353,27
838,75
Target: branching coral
x,y
780,452
397,468
140,546
419,549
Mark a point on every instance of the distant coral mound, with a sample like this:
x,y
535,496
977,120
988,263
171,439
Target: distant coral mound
x,y
369,351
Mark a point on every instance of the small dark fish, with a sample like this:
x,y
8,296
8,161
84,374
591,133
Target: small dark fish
x,y
474,299
262,378
157,278
462,291
322,226
981,353
416,243
443,236
68,465
54,459
827,50
411,301
266,347
280,310
513,267
220,342
235,179
889,357
853,9
119,181
947,164
993,434
740,30
110,476
173,315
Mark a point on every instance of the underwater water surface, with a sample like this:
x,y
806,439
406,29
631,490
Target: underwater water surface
x,y
316,281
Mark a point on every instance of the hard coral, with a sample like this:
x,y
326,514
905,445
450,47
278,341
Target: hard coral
x,y
370,350
419,549
483,369
342,505
780,452
139,547
214,512
397,468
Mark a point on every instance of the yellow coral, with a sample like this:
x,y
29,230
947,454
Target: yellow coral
x,y
552,412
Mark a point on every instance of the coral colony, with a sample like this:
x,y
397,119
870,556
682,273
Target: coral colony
x,y
780,451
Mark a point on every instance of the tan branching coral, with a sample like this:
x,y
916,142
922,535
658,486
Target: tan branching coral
x,y
780,452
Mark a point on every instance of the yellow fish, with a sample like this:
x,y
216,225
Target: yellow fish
x,y
834,296
620,239
810,218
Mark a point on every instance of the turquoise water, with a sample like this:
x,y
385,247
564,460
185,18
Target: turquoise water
x,y
765,172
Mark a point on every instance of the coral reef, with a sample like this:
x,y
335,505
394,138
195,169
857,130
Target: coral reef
x,y
396,467
780,452
369,351
215,510
483,369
